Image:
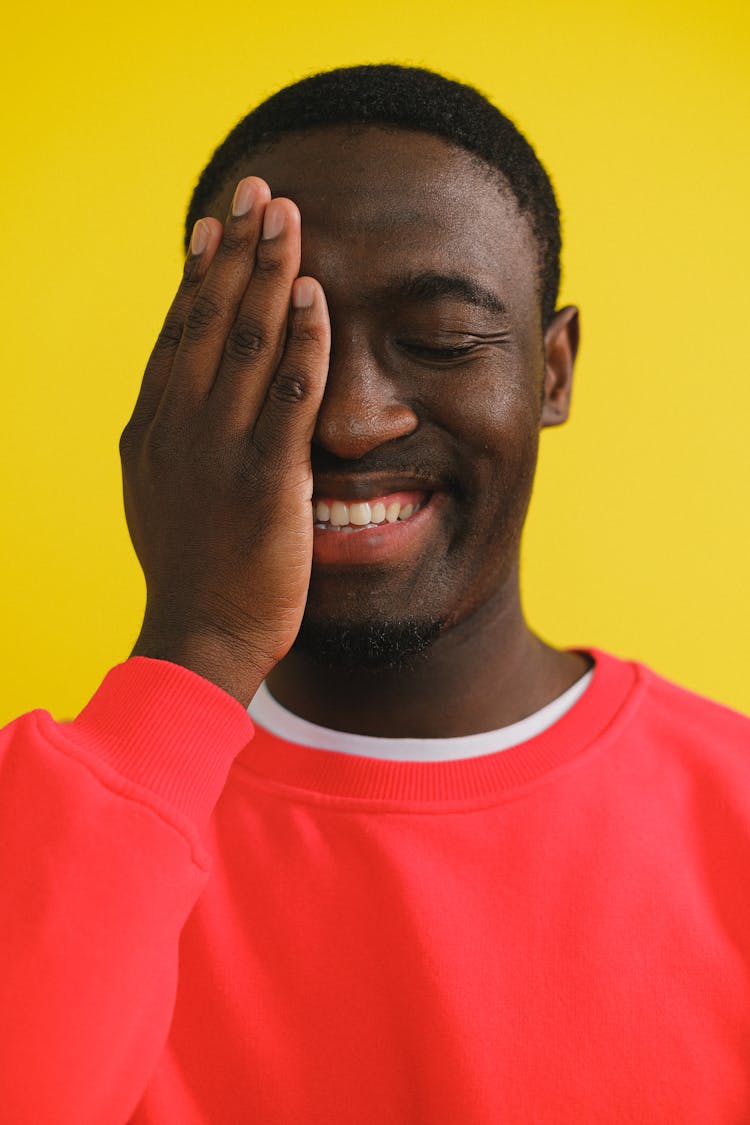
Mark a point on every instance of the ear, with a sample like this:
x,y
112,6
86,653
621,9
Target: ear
x,y
560,350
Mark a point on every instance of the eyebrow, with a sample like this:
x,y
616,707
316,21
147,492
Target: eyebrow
x,y
432,286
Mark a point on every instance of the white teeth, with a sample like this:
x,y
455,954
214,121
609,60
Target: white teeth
x,y
339,514
359,514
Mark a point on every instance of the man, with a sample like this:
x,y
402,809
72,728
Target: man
x,y
450,874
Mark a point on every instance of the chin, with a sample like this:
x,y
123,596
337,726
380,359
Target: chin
x,y
370,646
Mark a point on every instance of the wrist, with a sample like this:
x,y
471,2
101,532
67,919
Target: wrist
x,y
221,660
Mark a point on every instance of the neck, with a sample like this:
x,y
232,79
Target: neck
x,y
486,672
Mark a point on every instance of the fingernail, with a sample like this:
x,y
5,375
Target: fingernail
x,y
199,238
273,221
303,293
243,198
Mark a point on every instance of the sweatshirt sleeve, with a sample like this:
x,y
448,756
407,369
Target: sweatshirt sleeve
x,y
101,861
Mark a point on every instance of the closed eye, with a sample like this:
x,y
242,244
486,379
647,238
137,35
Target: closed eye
x,y
440,353
433,352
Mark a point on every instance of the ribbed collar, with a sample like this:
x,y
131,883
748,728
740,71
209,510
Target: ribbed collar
x,y
614,689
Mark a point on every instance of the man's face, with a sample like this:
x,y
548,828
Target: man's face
x,y
436,374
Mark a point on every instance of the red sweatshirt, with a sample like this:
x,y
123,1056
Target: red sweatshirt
x,y
200,927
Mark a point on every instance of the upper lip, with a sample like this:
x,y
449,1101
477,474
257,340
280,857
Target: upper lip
x,y
370,485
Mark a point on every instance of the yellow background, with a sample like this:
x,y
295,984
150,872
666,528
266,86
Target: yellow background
x,y
639,529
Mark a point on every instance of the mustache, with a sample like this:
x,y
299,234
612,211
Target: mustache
x,y
421,464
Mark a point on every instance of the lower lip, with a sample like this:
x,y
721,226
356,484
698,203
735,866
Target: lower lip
x,y
388,542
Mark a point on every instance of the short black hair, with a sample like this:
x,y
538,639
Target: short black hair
x,y
407,98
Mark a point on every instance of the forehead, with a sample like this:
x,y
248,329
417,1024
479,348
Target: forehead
x,y
396,201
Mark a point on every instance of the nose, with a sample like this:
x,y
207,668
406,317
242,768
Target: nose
x,y
363,405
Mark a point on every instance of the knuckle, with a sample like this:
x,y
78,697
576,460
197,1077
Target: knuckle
x,y
170,334
192,273
204,314
306,331
246,341
231,245
288,387
267,266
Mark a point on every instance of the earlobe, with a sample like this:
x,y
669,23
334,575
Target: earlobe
x,y
561,341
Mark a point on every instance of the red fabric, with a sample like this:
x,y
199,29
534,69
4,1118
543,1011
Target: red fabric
x,y
201,929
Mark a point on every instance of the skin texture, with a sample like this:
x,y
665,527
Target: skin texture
x,y
378,209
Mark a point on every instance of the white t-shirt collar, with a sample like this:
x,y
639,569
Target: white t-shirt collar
x,y
266,712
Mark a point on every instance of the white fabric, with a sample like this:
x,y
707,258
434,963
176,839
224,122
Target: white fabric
x,y
266,712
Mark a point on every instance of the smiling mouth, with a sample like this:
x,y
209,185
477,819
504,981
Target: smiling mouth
x,y
361,515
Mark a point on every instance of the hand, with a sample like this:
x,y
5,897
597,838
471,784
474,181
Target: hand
x,y
216,456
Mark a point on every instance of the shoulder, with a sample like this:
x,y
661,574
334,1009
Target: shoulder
x,y
688,706
691,723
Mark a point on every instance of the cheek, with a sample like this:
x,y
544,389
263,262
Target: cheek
x,y
495,422
495,416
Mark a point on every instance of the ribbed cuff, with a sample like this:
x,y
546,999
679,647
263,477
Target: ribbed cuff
x,y
167,729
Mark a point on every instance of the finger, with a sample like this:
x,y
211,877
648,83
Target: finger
x,y
215,304
203,243
255,342
285,425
